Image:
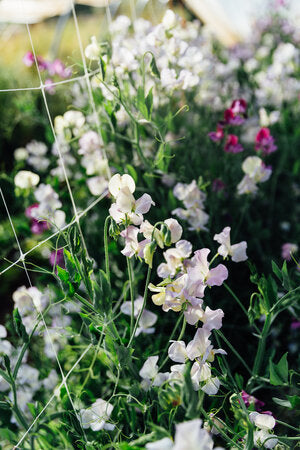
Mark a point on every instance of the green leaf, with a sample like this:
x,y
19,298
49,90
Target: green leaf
x,y
279,372
153,67
102,67
141,102
4,405
295,401
285,277
276,271
131,170
19,327
149,103
190,399
282,402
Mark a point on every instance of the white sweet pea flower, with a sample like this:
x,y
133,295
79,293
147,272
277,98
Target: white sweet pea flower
x,y
174,259
175,229
262,421
162,444
26,179
147,319
265,439
177,352
236,251
97,415
149,373
118,182
20,154
247,186
254,167
92,51
97,185
169,20
3,332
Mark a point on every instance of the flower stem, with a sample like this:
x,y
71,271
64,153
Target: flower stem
x,y
143,307
130,275
106,248
261,346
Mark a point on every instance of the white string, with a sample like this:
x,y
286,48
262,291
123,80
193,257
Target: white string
x,y
53,395
55,138
91,206
89,87
39,311
56,83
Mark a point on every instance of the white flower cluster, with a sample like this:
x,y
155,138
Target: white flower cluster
x,y
188,436
255,172
48,206
96,417
263,435
193,200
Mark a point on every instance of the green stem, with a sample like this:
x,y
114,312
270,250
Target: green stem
x,y
233,350
166,359
106,248
261,345
240,304
143,307
130,275
287,425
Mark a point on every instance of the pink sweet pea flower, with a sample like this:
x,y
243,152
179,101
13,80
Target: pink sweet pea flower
x,y
28,59
287,249
57,67
49,87
217,135
265,142
239,106
132,246
231,118
232,144
37,226
249,399
199,270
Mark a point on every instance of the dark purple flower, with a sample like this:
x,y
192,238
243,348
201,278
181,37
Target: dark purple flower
x,y
218,185
42,63
39,226
231,118
295,325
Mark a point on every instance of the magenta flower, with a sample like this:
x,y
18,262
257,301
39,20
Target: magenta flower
x,y
28,59
265,142
231,118
37,226
57,257
217,135
239,107
232,144
295,325
250,400
57,67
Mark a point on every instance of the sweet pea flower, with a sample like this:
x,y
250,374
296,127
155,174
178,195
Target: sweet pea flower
x,y
255,168
147,319
92,51
49,86
118,182
149,373
28,59
26,179
250,399
199,270
230,118
239,106
174,259
236,251
201,351
232,144
97,415
169,19
287,250
188,436
217,135
132,246
265,423
265,142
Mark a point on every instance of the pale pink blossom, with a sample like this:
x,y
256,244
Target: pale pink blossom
x,y
236,251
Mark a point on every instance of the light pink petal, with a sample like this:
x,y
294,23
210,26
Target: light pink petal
x,y
143,204
239,251
217,276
